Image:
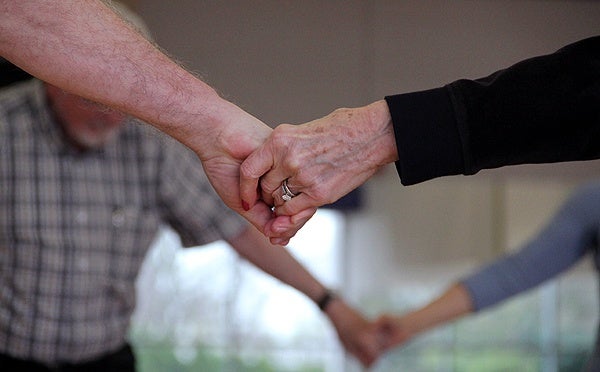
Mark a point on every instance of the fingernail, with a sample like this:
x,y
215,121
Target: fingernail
x,y
245,205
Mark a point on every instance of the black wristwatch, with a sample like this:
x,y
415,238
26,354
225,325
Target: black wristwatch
x,y
324,301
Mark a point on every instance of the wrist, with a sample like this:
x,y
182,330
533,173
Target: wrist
x,y
382,129
325,300
412,323
217,127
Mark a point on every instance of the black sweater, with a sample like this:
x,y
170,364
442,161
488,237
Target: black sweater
x,y
541,110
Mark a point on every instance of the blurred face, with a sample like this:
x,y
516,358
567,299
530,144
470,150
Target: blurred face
x,y
88,125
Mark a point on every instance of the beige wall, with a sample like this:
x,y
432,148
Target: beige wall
x,y
292,61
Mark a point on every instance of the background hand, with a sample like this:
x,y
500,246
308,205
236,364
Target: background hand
x,y
393,331
358,335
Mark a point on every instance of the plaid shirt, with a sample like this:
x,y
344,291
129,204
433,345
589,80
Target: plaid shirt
x,y
75,227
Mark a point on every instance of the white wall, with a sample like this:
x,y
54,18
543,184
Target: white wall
x,y
292,61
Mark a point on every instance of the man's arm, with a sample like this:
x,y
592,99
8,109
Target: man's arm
x,y
84,47
354,331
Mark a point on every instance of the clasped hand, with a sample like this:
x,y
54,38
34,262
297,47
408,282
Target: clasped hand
x,y
301,167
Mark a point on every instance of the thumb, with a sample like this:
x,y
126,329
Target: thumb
x,y
251,169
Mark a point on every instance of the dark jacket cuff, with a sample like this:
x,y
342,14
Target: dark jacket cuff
x,y
427,137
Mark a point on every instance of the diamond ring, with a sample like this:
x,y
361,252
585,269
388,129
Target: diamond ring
x,y
287,193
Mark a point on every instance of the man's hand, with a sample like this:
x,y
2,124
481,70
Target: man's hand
x,y
359,336
222,151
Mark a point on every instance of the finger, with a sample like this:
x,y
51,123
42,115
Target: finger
x,y
279,238
287,227
361,354
299,203
370,346
282,228
279,241
299,219
366,356
271,181
260,216
251,169
270,197
285,164
275,198
367,360
278,195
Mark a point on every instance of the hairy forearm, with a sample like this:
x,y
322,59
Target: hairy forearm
x,y
83,47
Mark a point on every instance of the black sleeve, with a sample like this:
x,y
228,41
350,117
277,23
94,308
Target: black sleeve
x,y
541,110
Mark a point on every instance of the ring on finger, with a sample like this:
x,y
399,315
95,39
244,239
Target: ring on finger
x,y
287,194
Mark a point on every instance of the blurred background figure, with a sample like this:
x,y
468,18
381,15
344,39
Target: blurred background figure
x,y
572,234
85,192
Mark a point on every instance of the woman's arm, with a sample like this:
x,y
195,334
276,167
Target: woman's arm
x,y
563,242
396,330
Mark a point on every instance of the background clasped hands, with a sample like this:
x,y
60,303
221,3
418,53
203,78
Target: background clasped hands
x,y
369,340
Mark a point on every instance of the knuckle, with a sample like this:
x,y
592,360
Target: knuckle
x,y
281,135
247,170
283,142
293,163
323,196
266,187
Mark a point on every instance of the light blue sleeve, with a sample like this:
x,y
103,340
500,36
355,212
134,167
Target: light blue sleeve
x,y
562,242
